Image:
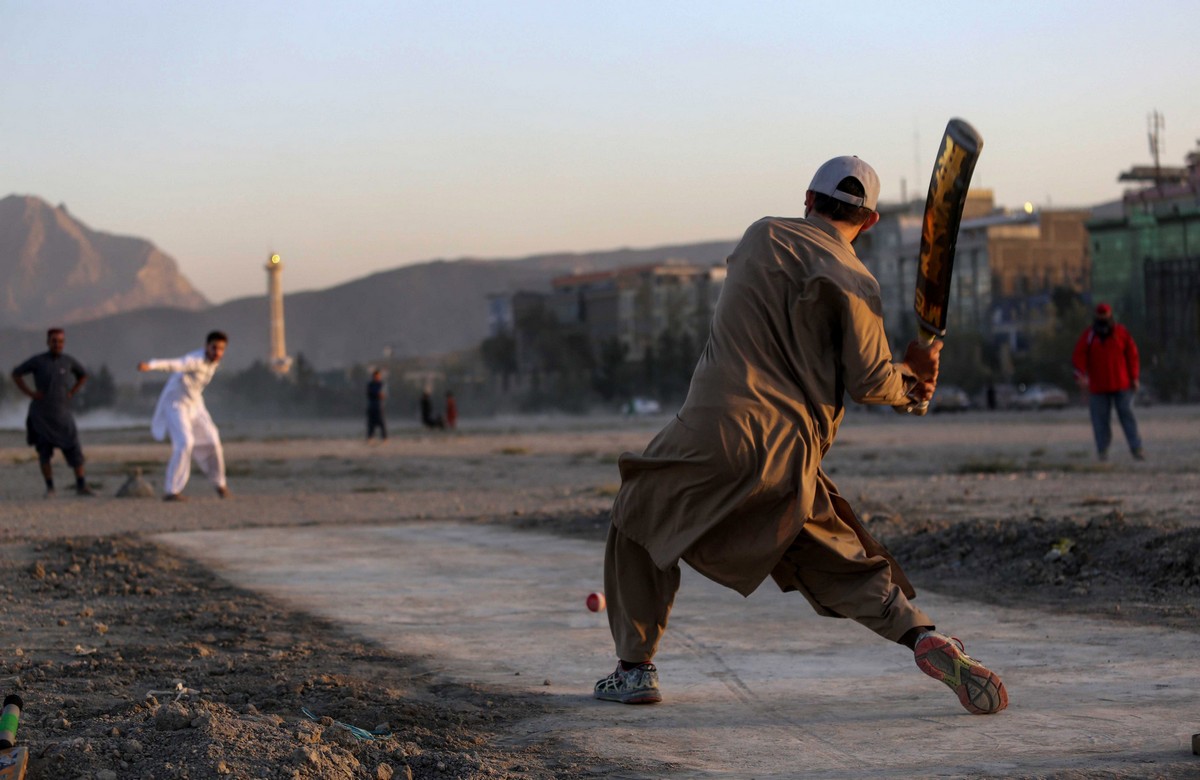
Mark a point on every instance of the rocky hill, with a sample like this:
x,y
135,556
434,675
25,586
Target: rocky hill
x,y
54,269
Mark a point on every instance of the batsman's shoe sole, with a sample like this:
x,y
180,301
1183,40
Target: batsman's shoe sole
x,y
943,658
639,685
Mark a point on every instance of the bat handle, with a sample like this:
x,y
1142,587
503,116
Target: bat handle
x,y
921,408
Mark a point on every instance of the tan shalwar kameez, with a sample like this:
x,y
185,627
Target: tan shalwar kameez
x,y
733,485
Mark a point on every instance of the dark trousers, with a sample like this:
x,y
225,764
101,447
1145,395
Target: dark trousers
x,y
73,454
375,420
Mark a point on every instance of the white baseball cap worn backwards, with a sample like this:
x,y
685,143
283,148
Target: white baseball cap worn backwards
x,y
829,175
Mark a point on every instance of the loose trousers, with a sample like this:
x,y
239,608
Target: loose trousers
x,y
193,435
826,563
1101,406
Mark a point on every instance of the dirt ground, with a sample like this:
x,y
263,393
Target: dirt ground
x,y
1008,508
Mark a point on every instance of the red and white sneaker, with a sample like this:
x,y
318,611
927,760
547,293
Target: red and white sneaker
x,y
944,658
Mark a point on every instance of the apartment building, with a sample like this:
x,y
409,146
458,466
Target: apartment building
x,y
637,305
1007,265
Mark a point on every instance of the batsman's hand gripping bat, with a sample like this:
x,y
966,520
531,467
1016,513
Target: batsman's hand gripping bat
x,y
957,155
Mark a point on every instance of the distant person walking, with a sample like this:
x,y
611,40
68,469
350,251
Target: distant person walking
x,y
181,413
451,410
1106,364
375,397
57,378
428,417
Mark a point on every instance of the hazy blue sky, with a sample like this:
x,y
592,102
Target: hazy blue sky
x,y
354,137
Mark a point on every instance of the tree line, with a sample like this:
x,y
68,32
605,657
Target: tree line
x,y
543,363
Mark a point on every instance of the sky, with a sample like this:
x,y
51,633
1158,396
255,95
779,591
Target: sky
x,y
354,137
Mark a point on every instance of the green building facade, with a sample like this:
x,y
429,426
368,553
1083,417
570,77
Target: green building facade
x,y
1122,249
1146,263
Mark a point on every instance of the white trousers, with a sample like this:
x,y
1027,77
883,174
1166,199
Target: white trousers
x,y
193,435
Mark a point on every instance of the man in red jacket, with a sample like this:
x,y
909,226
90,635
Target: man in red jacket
x,y
1106,362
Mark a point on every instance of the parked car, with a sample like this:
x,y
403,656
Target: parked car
x,y
950,398
643,406
1041,395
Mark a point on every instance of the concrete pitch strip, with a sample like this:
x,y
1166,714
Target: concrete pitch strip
x,y
753,688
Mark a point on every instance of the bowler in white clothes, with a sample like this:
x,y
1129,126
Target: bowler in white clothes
x,y
181,413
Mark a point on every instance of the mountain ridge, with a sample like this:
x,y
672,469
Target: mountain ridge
x,y
55,269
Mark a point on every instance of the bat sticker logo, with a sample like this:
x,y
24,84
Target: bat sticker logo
x,y
945,175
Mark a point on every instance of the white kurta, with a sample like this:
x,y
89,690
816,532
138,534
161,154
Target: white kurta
x,y
182,415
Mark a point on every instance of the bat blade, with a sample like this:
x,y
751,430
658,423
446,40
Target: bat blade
x,y
957,155
948,186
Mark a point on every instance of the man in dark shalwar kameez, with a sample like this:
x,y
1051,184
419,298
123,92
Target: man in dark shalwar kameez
x,y
733,485
57,378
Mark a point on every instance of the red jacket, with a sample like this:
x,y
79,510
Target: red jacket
x,y
1110,364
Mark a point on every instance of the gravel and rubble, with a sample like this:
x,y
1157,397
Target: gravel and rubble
x,y
134,663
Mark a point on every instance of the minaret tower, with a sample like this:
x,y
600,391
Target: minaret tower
x,y
278,360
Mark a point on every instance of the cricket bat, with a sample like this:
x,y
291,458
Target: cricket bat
x,y
957,155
